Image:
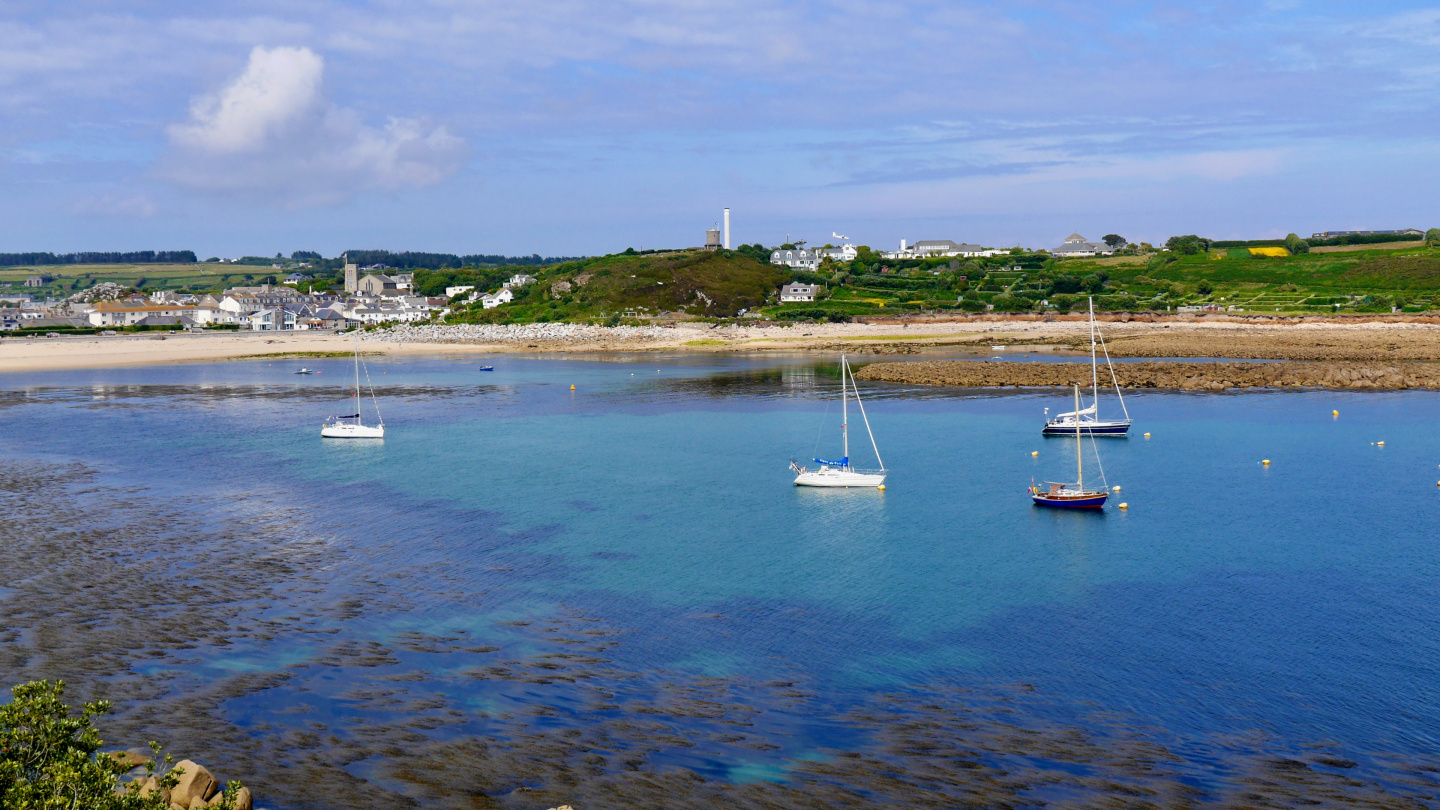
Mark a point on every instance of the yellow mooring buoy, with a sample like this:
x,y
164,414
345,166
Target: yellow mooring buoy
x,y
1124,506
1265,462
1116,488
881,487
1379,444
572,386
1335,414
1147,435
1034,452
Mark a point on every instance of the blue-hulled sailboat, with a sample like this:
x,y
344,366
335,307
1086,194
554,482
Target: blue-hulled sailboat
x,y
1088,420
1070,496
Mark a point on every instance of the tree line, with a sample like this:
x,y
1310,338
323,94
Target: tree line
x,y
415,260
98,257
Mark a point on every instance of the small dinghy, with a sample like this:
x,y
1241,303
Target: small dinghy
x,y
487,368
304,371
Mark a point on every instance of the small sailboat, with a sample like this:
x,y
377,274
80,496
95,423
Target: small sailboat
x,y
342,427
304,371
1088,420
840,473
1070,496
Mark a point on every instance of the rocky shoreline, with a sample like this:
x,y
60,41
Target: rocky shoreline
x,y
527,333
1159,374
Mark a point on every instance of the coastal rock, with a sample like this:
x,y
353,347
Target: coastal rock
x,y
529,334
150,787
1159,374
243,799
195,782
129,759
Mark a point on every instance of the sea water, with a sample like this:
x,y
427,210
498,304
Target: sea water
x,y
1296,601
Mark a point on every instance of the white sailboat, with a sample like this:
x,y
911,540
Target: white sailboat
x,y
1087,420
352,426
840,473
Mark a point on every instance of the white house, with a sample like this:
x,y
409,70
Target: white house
x,y
799,259
795,291
1075,246
519,280
492,300
451,292
844,253
932,248
272,320
120,313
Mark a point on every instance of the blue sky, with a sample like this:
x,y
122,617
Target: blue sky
x,y
578,127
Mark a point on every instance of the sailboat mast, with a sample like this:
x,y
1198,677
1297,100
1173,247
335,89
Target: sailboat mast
x,y
356,338
1079,467
1094,376
844,411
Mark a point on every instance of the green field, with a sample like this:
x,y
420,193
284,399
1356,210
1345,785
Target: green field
x,y
68,278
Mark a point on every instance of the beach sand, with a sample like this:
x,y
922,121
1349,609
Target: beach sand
x,y
1314,340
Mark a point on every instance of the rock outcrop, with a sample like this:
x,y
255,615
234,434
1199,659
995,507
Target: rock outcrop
x,y
1159,374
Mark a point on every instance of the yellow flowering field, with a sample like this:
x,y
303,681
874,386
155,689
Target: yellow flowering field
x,y
1274,252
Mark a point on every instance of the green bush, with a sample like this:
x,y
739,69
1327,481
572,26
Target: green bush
x,y
49,758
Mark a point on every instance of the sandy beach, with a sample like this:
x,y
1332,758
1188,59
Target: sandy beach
x,y
1309,340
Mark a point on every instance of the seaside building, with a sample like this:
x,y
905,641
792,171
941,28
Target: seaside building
x,y
795,292
712,239
798,259
932,248
492,300
1076,246
519,280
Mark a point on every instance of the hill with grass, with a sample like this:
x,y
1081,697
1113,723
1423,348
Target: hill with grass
x,y
637,285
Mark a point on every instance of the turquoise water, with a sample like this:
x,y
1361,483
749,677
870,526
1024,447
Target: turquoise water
x,y
1296,601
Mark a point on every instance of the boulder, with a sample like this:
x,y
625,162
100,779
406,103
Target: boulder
x,y
129,759
243,799
195,782
151,786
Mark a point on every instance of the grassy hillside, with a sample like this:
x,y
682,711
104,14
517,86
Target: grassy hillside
x,y
202,277
1357,280
627,285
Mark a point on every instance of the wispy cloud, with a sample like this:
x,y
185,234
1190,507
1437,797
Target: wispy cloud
x,y
272,132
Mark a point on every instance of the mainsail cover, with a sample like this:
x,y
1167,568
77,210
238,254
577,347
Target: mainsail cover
x,y
1090,411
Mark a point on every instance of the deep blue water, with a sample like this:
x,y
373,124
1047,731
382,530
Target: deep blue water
x,y
1298,602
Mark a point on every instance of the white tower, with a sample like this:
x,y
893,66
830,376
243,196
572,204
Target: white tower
x,y
727,228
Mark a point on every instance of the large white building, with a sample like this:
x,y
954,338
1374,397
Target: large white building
x,y
932,248
798,259
1076,247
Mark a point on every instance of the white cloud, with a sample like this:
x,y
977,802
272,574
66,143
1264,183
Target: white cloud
x,y
271,132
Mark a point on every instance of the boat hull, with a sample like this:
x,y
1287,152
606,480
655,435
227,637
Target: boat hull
x,y
840,479
345,431
1087,428
1089,500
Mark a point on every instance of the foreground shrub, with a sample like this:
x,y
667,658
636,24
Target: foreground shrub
x,y
49,759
